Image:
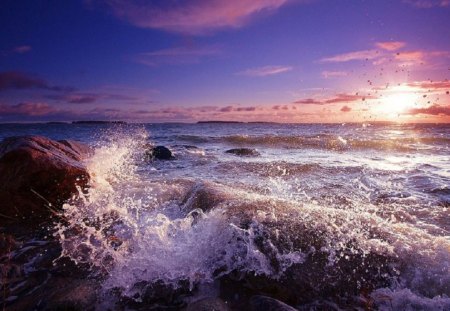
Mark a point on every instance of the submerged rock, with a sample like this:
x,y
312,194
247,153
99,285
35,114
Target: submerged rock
x,y
243,152
264,303
204,196
160,153
37,175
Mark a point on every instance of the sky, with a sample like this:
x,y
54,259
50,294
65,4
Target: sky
x,y
287,61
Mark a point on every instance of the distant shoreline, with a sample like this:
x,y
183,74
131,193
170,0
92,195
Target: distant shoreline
x,y
99,122
217,122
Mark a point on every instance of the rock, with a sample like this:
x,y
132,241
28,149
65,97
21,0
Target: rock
x,y
204,196
243,152
37,175
160,153
208,304
264,303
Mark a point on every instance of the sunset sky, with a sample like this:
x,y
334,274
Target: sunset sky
x,y
192,60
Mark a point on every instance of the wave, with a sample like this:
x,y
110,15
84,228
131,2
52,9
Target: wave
x,y
323,141
139,232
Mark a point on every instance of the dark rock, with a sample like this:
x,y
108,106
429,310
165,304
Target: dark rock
x,y
160,153
243,152
37,175
204,196
208,304
264,303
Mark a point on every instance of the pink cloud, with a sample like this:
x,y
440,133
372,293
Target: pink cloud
x,y
431,85
390,45
193,17
410,57
431,110
346,57
265,71
346,109
334,74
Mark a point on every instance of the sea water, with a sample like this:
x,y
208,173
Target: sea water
x,y
345,206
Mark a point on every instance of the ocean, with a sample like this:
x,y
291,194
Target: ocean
x,y
337,216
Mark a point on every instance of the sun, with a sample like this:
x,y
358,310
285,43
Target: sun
x,y
396,102
399,102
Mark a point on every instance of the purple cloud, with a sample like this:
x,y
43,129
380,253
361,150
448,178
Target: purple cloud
x,y
10,80
337,99
177,55
26,109
89,98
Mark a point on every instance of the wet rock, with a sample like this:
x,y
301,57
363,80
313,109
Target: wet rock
x,y
264,303
243,152
160,153
37,175
208,304
155,296
204,196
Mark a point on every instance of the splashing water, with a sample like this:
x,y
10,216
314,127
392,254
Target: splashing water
x,y
135,225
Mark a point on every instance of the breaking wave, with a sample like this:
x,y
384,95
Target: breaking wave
x,y
137,228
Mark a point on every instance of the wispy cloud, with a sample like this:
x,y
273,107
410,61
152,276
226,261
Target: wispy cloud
x,y
427,4
18,80
265,71
89,98
22,49
390,45
337,99
409,58
194,17
431,85
280,107
26,109
177,55
389,51
237,109
346,57
334,74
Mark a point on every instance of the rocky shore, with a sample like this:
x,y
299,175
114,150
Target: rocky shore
x,y
38,175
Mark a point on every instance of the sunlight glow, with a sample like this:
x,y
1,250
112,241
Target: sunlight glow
x,y
397,101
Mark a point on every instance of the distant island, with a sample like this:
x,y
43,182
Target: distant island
x,y
207,122
238,122
99,122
